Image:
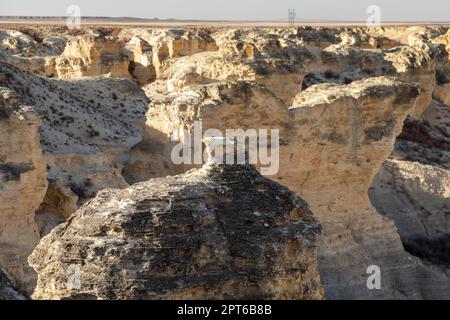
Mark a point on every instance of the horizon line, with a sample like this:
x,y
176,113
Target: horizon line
x,y
24,17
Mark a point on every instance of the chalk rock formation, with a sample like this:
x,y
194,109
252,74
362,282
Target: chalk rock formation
x,y
23,183
173,43
443,38
87,128
141,66
333,141
338,96
222,231
334,179
412,187
92,55
285,65
442,89
31,54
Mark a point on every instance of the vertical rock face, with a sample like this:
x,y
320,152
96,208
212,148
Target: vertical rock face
x,y
333,140
354,127
338,96
153,49
23,183
339,133
399,192
412,186
141,66
222,231
92,55
178,43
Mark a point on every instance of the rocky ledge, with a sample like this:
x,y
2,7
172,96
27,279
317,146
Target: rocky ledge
x,y
221,231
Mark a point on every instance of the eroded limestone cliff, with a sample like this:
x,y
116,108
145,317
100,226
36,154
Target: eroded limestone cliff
x,y
412,186
363,121
59,153
23,183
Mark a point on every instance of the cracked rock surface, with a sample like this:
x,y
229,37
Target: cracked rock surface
x,y
222,231
88,120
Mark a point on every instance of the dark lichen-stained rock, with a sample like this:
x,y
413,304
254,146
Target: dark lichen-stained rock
x,y
7,292
221,231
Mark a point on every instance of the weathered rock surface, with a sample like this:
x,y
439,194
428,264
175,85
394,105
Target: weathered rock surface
x,y
219,232
171,43
87,128
29,53
141,66
335,177
416,196
76,140
23,183
283,63
412,187
92,55
333,139
338,96
7,292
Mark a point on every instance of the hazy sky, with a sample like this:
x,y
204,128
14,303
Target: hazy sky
x,y
391,10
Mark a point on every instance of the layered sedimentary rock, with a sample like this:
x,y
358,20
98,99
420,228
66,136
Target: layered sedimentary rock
x,y
335,177
172,43
412,186
416,197
222,231
88,126
325,90
282,62
333,140
141,66
84,128
30,53
92,55
282,65
23,183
